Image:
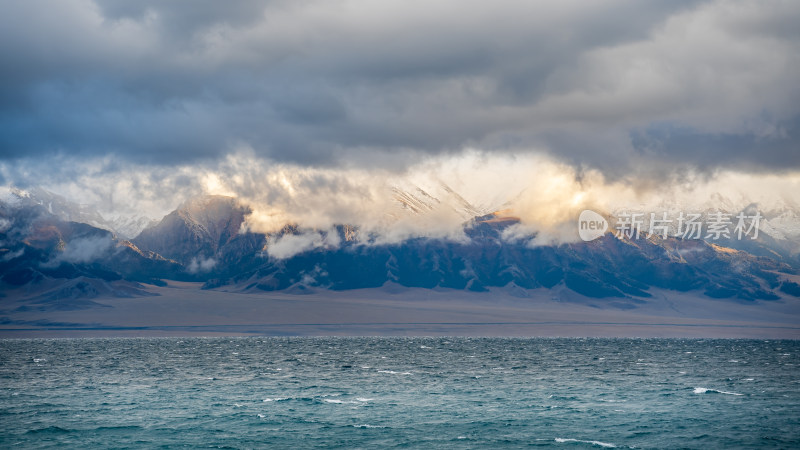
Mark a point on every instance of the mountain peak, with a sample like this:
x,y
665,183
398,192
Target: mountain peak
x,y
203,202
201,225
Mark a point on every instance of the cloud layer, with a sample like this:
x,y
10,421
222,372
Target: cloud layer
x,y
624,87
433,197
404,118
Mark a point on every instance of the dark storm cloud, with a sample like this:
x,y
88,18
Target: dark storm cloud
x,y
777,147
182,20
377,83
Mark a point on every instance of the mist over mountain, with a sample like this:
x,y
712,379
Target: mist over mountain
x,y
50,255
53,260
122,225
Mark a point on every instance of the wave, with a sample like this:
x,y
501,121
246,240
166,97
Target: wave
x,y
598,443
702,390
340,402
118,427
50,429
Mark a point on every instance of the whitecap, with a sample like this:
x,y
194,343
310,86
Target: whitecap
x,y
261,416
366,425
702,390
598,443
276,399
338,402
729,393
394,373
362,399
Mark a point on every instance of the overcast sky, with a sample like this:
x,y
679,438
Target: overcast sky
x,y
635,90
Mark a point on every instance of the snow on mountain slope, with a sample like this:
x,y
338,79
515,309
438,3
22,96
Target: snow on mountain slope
x,y
124,226
418,201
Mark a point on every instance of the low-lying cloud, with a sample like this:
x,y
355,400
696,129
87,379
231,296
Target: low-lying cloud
x,y
201,265
82,250
291,244
432,198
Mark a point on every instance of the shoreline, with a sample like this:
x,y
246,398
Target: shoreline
x,y
184,310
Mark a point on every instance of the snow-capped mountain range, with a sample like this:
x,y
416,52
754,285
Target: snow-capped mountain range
x,y
46,243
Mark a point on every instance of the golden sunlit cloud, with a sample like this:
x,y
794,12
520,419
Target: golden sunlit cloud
x,y
433,198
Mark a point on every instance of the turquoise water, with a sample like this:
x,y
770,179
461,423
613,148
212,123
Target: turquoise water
x,y
399,392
